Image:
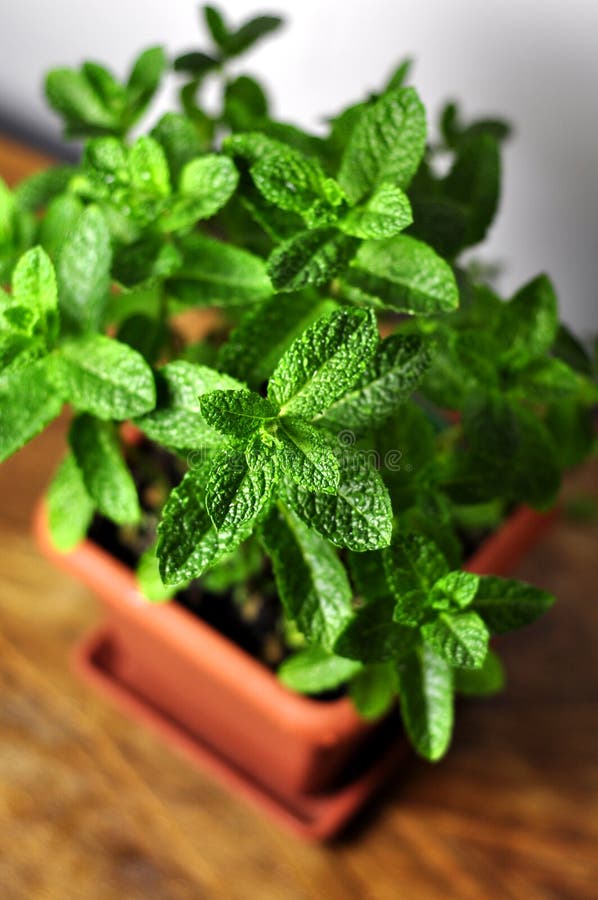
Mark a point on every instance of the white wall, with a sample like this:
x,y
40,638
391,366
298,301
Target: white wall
x,y
535,61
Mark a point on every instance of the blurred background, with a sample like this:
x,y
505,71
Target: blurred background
x,y
533,62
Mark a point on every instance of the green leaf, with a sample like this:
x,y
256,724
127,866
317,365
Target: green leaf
x,y
144,80
245,103
545,380
216,26
188,543
60,219
29,400
373,690
266,331
530,322
177,421
403,274
312,583
307,456
107,480
249,33
426,697
239,413
505,605
386,213
488,679
323,363
457,589
179,140
149,580
310,258
367,575
195,63
83,271
412,563
34,285
358,516
372,636
36,191
73,96
214,273
386,144
237,492
106,378
206,184
474,184
148,167
70,508
391,375
460,639
314,670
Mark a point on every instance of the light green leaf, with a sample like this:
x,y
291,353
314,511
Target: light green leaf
x,y
107,480
390,376
488,679
311,581
148,167
314,670
29,400
83,270
60,219
34,285
106,378
387,212
310,258
307,456
209,181
236,492
457,589
426,697
373,689
179,139
403,274
460,639
72,95
324,362
70,508
236,412
177,421
150,583
386,144
505,604
358,516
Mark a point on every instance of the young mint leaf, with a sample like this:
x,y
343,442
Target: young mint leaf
x,y
179,140
310,258
144,80
29,400
188,543
474,184
107,480
505,604
358,516
72,95
530,322
249,33
426,698
314,669
372,636
245,103
386,213
83,271
311,581
236,492
307,456
216,26
34,287
390,376
386,144
70,508
219,274
323,363
402,274
60,219
236,412
177,421
148,167
460,639
102,376
373,689
456,589
488,679
209,178
412,563
37,190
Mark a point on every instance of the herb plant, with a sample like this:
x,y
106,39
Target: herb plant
x,y
313,454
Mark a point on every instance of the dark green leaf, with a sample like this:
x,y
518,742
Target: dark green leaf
x,y
236,412
307,456
310,258
474,184
36,191
530,322
505,604
488,679
372,636
426,697
237,492
460,639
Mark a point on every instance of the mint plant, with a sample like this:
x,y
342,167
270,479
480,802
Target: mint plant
x,y
363,403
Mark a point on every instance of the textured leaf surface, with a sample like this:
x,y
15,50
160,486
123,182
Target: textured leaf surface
x,y
306,455
403,274
455,589
426,697
310,258
358,516
324,362
413,563
29,400
83,271
386,213
389,378
105,377
70,508
462,639
107,480
238,413
311,581
179,139
505,605
314,669
177,421
386,144
236,492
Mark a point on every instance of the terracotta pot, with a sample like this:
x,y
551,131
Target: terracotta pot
x,y
292,754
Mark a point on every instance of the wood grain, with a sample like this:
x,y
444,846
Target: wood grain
x,y
92,806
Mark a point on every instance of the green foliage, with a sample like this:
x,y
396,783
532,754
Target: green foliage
x,y
295,452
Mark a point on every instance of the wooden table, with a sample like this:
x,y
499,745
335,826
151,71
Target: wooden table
x,y
92,806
